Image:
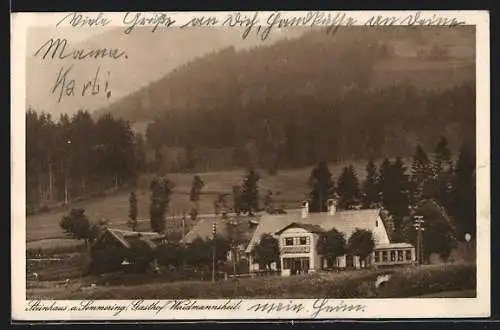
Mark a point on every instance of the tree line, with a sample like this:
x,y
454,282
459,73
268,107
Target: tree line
x,y
393,186
74,157
441,189
291,131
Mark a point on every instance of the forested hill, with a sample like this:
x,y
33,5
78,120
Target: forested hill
x,y
315,64
360,92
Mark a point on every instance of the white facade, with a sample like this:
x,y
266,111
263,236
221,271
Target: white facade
x,y
298,251
298,234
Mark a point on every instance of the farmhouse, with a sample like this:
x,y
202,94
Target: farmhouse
x,y
237,228
120,238
298,233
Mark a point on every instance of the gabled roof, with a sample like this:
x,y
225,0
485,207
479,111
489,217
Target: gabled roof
x,y
203,229
125,237
307,226
394,246
344,221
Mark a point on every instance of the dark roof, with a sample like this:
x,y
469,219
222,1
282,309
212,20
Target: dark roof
x,y
126,237
344,221
204,227
307,226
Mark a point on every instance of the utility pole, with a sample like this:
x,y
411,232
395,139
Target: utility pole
x,y
419,227
183,223
214,233
66,194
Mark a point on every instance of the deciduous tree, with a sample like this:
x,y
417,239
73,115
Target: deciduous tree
x,y
331,245
250,192
267,251
361,244
132,211
161,189
196,188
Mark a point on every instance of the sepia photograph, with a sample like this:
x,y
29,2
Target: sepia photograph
x,y
211,162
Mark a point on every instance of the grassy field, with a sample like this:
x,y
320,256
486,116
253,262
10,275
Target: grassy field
x,y
43,229
410,282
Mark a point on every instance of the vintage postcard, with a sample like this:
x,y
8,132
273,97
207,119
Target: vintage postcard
x,y
250,165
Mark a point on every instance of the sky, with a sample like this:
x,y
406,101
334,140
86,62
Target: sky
x,y
150,56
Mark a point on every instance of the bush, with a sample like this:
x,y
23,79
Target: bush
x,y
140,256
54,251
170,255
106,260
412,282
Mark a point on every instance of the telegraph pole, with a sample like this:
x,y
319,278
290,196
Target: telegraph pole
x,y
214,232
419,227
66,166
184,223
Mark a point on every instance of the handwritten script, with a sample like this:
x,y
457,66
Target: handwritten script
x,y
319,308
260,25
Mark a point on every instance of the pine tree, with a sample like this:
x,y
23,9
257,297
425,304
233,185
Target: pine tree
x,y
421,172
464,191
384,181
269,202
348,188
400,180
395,193
196,188
237,200
322,186
371,192
442,157
250,192
161,189
133,211
442,167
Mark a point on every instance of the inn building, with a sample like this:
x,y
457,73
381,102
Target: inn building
x,y
298,232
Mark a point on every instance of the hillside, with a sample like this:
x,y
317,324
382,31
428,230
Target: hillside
x,y
43,229
150,56
314,65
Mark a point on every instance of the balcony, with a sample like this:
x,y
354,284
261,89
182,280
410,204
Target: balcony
x,y
296,249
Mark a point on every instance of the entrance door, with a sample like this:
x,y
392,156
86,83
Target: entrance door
x,y
305,265
299,266
349,262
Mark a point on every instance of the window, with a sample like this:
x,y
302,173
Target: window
x,y
377,256
288,241
400,255
286,263
408,255
393,255
384,256
303,240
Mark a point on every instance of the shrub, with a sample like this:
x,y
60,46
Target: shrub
x,y
44,209
140,255
423,280
54,251
170,255
106,260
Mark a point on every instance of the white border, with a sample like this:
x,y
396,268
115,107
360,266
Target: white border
x,y
376,308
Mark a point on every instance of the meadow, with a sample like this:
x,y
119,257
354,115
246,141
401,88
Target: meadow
x,y
289,188
459,280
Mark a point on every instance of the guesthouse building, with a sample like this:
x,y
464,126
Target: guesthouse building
x,y
298,232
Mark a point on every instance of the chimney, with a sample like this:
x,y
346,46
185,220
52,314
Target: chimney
x,y
332,207
305,209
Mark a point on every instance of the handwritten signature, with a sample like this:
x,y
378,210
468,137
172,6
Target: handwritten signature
x,y
79,20
57,49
